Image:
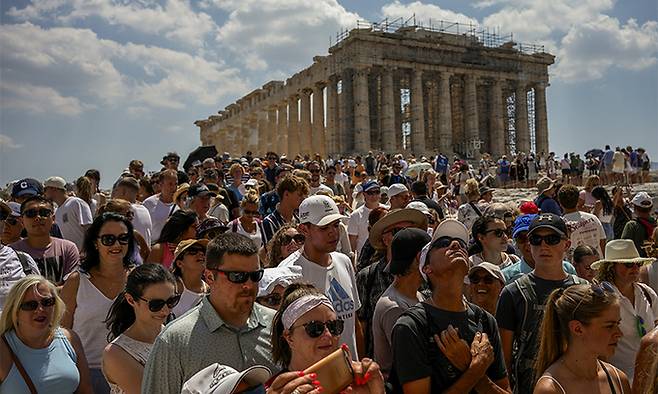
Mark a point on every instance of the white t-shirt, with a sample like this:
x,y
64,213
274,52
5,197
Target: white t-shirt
x,y
586,229
159,214
358,225
220,212
313,190
338,282
142,221
255,236
11,271
629,343
70,217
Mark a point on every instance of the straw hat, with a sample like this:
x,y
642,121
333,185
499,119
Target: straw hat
x,y
186,244
395,216
621,251
182,188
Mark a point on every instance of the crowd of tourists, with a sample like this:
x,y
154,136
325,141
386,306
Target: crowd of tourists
x,y
367,274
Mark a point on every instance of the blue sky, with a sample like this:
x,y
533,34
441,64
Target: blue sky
x,y
96,83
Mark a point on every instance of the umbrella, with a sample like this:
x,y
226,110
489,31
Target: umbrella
x,y
200,153
594,152
414,169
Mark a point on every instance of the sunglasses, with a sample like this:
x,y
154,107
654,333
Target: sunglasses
x,y
444,242
373,192
497,232
316,328
241,276
631,265
111,239
486,279
251,213
551,239
599,290
32,213
30,306
273,300
521,238
157,305
10,220
298,238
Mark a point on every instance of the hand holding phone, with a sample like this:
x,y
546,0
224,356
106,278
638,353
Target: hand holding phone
x,y
334,371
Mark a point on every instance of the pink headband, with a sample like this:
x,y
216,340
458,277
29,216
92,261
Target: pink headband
x,y
302,305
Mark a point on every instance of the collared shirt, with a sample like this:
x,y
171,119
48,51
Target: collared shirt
x,y
201,338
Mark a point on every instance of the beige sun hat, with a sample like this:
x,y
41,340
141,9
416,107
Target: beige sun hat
x,y
621,251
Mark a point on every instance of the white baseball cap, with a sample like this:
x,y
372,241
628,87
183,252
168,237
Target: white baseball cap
x,y
222,379
55,182
319,210
642,199
419,205
396,189
447,228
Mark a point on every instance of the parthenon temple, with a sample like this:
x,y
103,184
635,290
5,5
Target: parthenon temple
x,y
396,87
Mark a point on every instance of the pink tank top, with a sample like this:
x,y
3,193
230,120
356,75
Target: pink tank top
x,y
167,255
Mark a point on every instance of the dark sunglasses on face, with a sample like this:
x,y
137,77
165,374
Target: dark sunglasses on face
x,y
12,221
486,279
111,239
273,300
551,239
373,192
631,265
157,305
30,306
315,328
444,242
241,276
497,232
43,212
298,238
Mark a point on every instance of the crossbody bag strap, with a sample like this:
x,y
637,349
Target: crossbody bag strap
x,y
20,368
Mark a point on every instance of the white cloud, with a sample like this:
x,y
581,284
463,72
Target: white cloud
x,y
8,142
175,19
39,99
276,35
424,13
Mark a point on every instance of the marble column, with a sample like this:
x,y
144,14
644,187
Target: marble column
x,y
282,129
471,112
388,112
445,115
331,131
417,114
305,123
270,135
541,120
521,119
293,126
251,139
497,135
317,135
361,112
346,136
397,116
262,133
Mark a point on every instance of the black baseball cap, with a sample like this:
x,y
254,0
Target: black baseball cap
x,y
550,221
26,187
199,190
406,245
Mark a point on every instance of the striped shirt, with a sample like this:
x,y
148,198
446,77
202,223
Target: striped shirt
x,y
272,223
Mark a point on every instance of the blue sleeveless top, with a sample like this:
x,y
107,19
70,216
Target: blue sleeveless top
x,y
52,369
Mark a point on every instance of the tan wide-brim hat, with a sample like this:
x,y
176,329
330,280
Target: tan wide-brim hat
x,y
182,188
621,251
188,243
395,216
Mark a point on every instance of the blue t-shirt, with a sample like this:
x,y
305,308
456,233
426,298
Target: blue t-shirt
x,y
441,164
516,270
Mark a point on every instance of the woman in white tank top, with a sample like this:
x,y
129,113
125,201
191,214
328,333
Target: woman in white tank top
x,y
586,318
188,266
88,294
134,321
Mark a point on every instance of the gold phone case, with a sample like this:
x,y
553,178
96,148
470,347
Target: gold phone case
x,y
334,371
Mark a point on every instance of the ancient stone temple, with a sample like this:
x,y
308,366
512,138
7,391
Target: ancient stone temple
x,y
398,88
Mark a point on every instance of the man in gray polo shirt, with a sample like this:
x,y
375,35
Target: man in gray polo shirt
x,y
228,327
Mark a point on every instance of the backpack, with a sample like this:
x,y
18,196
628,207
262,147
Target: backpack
x,y
23,258
523,357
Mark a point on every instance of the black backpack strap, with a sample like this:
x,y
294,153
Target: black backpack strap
x,y
23,258
475,208
646,293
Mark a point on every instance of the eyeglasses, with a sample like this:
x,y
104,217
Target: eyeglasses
x,y
444,242
111,239
241,276
156,305
599,290
273,300
373,192
497,232
631,265
10,220
298,238
551,239
316,328
32,213
30,306
486,279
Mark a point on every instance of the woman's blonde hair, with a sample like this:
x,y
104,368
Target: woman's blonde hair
x,y
84,189
116,205
471,189
234,168
578,302
15,297
251,197
606,272
592,180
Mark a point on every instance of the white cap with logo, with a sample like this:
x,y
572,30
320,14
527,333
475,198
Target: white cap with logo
x,y
319,210
222,379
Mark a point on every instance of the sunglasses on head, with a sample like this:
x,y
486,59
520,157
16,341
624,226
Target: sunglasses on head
x,y
315,328
30,306
298,238
241,276
497,232
273,300
551,239
599,290
486,279
34,212
156,305
111,239
444,242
